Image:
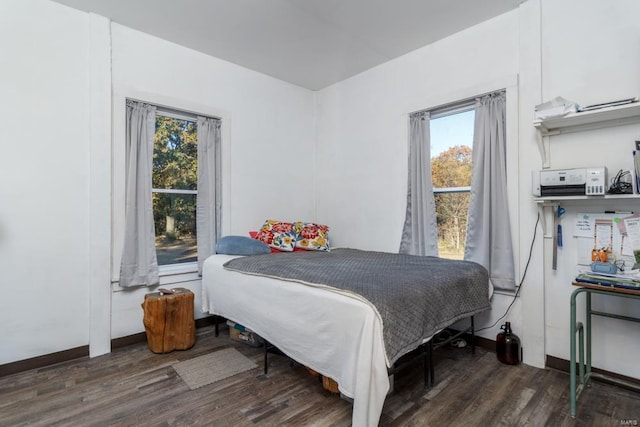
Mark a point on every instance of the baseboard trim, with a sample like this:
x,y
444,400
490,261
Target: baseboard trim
x,y
44,360
564,365
485,343
78,352
117,343
551,361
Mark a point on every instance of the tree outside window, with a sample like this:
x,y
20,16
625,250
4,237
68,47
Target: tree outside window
x,y
451,168
174,181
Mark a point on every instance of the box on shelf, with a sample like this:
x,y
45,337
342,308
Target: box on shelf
x,y
238,332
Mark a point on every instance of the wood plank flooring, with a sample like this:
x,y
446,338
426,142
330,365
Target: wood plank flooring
x,y
134,387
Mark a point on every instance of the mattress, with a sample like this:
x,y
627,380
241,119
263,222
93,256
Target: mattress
x,y
345,345
334,332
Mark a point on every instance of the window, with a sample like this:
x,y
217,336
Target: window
x,y
461,227
169,195
451,167
175,188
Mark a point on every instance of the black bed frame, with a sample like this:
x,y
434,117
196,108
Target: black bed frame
x,y
424,352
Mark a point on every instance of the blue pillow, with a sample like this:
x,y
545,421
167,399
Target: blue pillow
x,y
241,245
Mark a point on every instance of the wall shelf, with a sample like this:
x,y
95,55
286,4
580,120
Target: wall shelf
x,y
584,121
554,202
589,120
607,197
578,122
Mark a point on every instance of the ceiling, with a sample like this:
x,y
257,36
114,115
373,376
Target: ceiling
x,y
309,43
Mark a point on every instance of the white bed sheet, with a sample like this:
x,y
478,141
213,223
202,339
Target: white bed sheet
x,y
334,333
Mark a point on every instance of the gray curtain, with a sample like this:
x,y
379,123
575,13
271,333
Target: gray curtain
x,y
139,265
420,232
488,229
208,211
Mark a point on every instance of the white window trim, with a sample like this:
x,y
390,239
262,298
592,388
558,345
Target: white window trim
x,y
175,273
178,273
459,107
178,115
177,269
184,267
446,190
451,109
447,110
173,191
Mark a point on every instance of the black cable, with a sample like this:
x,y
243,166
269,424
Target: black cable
x,y
524,274
618,186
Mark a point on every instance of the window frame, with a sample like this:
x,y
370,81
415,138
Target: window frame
x,y
177,273
446,111
176,268
510,84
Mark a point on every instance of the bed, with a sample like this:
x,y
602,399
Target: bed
x,y
317,308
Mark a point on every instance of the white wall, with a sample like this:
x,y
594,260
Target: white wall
x,y
344,164
362,126
267,141
590,55
583,50
55,189
44,176
362,135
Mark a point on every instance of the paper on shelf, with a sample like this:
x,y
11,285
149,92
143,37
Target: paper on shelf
x,y
604,234
557,107
583,226
632,225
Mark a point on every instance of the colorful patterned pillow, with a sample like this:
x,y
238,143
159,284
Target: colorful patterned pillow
x,y
254,235
311,236
277,234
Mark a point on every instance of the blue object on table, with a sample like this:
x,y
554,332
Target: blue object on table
x,y
604,267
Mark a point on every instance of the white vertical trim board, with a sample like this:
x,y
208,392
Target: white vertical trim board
x,y
530,84
99,185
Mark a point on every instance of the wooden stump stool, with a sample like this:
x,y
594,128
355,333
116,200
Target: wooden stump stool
x,y
168,320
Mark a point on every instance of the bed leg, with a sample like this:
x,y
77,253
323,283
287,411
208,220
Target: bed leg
x,y
473,336
215,321
425,360
432,373
266,352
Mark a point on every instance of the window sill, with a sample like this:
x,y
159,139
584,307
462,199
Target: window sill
x,y
169,275
506,293
175,269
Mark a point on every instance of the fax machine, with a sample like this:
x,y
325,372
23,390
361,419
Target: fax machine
x,y
570,182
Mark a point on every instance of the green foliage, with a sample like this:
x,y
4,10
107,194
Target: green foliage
x,y
175,154
175,166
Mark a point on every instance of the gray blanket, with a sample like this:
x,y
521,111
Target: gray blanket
x,y
416,296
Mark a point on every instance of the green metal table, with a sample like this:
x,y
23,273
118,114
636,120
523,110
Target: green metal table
x,y
585,375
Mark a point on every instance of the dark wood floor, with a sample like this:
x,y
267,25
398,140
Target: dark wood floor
x,y
134,387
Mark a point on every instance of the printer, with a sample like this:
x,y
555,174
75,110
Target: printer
x,y
570,182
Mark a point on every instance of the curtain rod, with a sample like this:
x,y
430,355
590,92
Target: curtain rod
x,y
456,104
173,110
